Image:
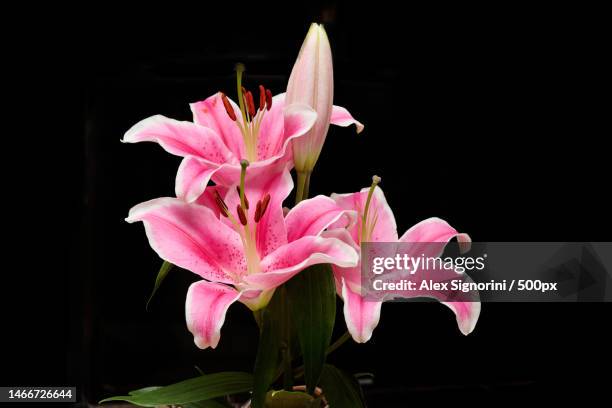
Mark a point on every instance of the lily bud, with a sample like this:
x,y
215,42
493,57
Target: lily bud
x,y
312,83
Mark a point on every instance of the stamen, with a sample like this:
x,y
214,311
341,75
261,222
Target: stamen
x,y
262,98
264,204
241,215
228,107
246,201
258,211
250,104
268,99
251,120
221,204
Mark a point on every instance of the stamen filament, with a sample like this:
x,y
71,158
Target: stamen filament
x,y
251,116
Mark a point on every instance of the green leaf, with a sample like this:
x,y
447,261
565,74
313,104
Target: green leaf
x,y
269,349
143,390
341,389
161,275
205,404
201,388
199,404
312,295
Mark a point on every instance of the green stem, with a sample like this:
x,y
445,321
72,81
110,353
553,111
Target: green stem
x,y
286,343
303,184
244,164
341,340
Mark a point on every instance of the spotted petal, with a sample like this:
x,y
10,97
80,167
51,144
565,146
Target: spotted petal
x,y
312,216
181,139
211,113
192,237
288,260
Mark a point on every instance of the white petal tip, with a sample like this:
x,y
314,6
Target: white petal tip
x,y
202,344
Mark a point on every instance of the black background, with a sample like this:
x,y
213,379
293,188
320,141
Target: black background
x,y
488,118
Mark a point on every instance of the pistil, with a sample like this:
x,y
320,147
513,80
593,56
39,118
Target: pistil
x,y
367,222
246,230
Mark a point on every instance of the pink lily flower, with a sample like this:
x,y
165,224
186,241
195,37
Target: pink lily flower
x,y
376,223
312,83
217,139
239,241
222,134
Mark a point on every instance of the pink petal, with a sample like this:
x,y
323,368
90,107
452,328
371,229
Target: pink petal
x,y
195,173
343,235
361,316
351,275
272,130
288,260
465,305
341,117
312,216
466,313
274,180
385,229
207,199
282,124
192,178
211,114
190,236
298,120
180,138
433,230
205,309
430,230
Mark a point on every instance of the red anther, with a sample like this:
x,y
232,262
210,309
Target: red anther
x,y
258,211
264,204
241,215
244,91
250,103
268,99
221,204
228,107
262,98
246,202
